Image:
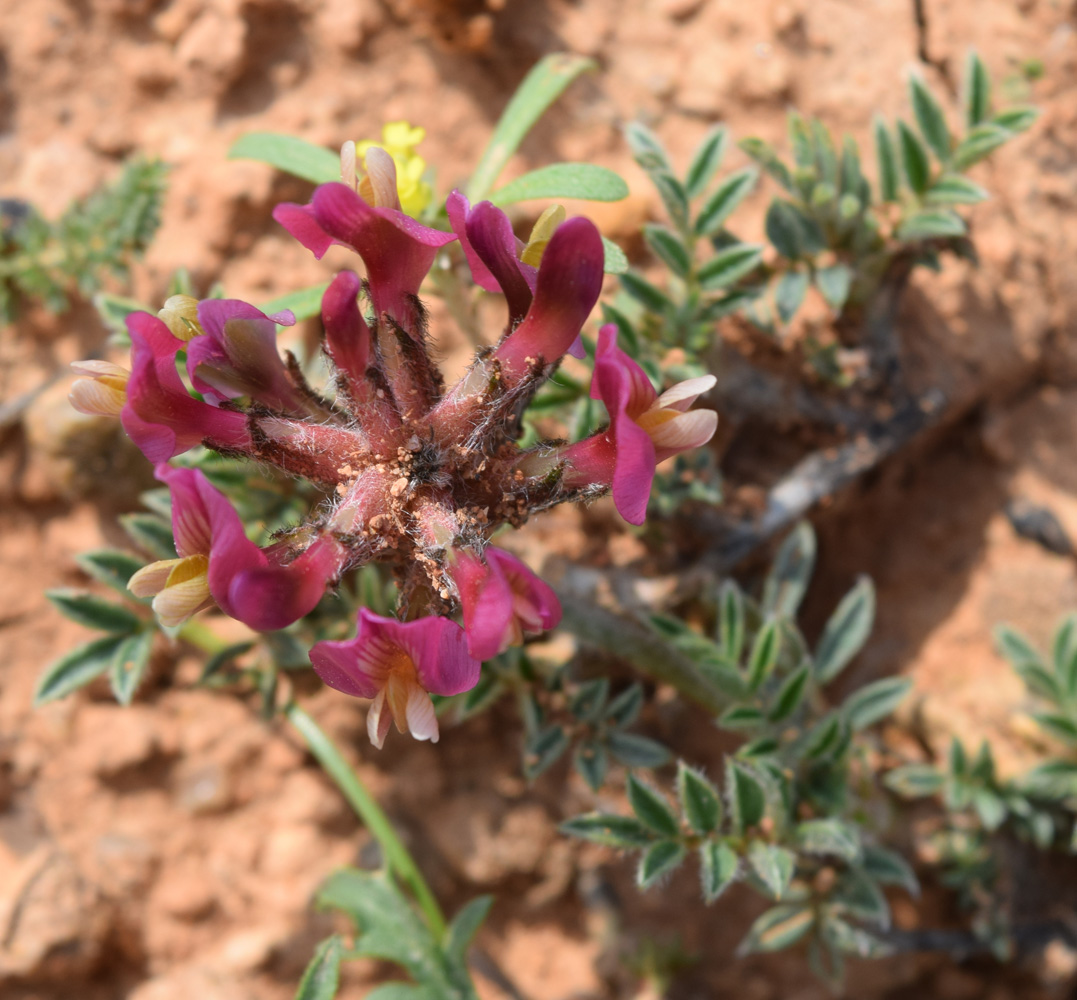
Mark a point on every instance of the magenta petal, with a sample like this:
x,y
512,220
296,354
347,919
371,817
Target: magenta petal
x,y
300,222
618,381
160,416
438,648
634,471
490,234
397,250
566,290
347,337
536,605
486,601
268,597
191,525
457,207
336,663
237,355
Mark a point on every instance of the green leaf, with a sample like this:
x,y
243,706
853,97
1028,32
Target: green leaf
x,y
990,808
890,868
774,865
129,665
979,143
787,581
591,762
94,612
834,283
658,860
543,749
110,567
875,701
285,152
726,197
930,118
646,294
931,225
741,717
858,895
700,802
651,808
846,631
151,533
219,660
829,836
827,738
1013,645
825,154
778,928
668,247
390,929
852,178
542,86
914,161
1054,778
1059,726
624,709
114,310
888,164
625,832
853,940
634,750
914,781
1016,119
729,265
789,293
465,926
718,867
673,196
305,303
584,181
731,620
589,699
397,991
706,161
765,652
322,977
977,88
746,797
1064,655
647,148
615,261
800,138
953,189
627,338
785,228
765,155
791,694
76,669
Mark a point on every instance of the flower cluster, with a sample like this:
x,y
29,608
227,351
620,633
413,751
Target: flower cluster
x,y
419,475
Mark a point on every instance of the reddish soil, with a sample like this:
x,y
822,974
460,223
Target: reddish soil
x,y
170,850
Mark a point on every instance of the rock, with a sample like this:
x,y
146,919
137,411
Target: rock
x,y
116,738
203,787
53,924
190,983
185,890
211,52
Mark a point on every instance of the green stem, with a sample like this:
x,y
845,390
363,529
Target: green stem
x,y
334,764
396,854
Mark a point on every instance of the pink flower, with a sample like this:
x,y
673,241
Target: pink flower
x,y
548,304
261,587
502,601
160,415
399,665
644,429
397,250
237,356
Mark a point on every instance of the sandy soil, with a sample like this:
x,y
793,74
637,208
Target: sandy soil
x,y
170,850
